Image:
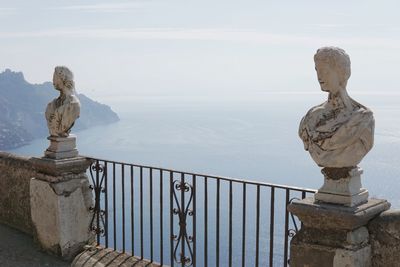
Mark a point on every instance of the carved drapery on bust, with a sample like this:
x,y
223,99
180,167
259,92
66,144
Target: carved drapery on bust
x,y
62,112
339,132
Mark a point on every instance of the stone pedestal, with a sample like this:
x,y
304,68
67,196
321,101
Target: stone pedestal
x,y
61,147
60,199
342,186
333,235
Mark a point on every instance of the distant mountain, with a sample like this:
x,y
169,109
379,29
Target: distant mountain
x,y
22,107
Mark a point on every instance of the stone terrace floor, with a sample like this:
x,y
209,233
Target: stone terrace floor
x,y
18,250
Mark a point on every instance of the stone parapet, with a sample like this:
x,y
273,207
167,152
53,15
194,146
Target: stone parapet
x,y
49,199
60,205
385,239
15,175
333,235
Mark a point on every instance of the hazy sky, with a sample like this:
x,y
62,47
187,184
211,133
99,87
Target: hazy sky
x,y
203,47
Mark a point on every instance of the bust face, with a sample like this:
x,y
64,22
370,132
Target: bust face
x,y
328,77
57,82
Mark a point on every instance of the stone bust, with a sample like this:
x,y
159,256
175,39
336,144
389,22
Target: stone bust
x,y
62,112
339,132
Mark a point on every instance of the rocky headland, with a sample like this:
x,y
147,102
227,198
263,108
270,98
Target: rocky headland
x,y
22,107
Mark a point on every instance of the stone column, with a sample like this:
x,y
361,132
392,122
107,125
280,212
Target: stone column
x,y
60,200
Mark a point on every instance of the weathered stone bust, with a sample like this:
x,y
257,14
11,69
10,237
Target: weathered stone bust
x,y
62,112
339,132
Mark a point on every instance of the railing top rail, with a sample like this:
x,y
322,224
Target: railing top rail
x,y
243,181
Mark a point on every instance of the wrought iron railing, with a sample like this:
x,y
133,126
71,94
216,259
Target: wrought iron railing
x,y
189,219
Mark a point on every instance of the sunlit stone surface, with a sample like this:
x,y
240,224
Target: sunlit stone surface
x,y
339,132
61,114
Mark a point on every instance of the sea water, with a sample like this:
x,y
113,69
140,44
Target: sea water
x,y
253,138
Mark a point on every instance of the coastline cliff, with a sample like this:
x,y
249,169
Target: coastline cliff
x,y
22,107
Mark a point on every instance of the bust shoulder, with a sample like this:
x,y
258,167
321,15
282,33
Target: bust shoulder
x,y
313,114
73,99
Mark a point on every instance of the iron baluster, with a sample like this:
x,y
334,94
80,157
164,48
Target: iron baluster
x,y
97,223
183,240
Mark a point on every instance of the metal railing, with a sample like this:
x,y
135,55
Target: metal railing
x,y
189,219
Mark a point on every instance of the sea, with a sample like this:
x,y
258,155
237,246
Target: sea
x,y
244,137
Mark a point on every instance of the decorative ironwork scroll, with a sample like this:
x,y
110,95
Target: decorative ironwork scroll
x,y
97,173
292,232
183,240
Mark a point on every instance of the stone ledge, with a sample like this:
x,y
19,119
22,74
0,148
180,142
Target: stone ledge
x,y
102,257
61,167
10,159
329,216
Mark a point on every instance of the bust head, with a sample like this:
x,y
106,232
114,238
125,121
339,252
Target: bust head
x,y
63,79
333,68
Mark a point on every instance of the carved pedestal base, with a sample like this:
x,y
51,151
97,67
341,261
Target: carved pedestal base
x,y
61,147
333,235
60,199
342,186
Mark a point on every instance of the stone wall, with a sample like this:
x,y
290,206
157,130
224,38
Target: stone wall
x,y
48,199
15,175
385,239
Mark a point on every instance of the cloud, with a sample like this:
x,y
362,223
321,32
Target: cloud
x,y
7,10
104,7
204,34
330,26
